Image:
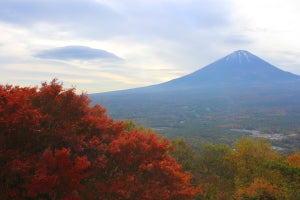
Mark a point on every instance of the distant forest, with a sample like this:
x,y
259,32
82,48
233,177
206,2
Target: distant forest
x,y
54,145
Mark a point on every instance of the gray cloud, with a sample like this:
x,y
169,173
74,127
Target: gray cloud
x,y
31,11
82,17
140,19
77,53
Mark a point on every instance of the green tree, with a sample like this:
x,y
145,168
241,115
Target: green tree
x,y
214,172
184,154
131,125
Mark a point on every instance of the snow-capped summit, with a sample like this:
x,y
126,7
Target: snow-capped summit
x,y
240,56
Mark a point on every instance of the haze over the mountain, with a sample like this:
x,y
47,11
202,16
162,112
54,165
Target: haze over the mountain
x,y
238,69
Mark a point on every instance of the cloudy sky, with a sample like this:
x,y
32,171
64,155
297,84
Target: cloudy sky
x,y
105,45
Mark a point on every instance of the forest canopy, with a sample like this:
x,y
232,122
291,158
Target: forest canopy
x,y
54,145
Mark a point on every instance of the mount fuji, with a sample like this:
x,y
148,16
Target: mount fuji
x,y
239,84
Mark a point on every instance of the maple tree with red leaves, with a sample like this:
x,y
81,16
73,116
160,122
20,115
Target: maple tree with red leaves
x,y
53,145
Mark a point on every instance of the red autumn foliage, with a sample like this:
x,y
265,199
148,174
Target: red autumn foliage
x,y
53,145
